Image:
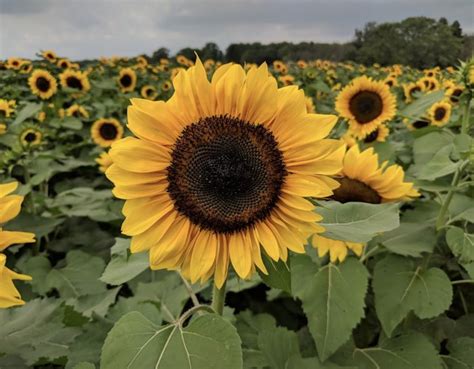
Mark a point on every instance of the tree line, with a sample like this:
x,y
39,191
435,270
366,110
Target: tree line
x,y
420,42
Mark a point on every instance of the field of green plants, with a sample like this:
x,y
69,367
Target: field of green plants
x,y
199,215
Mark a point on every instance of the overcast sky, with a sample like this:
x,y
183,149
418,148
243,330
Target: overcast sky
x,y
90,28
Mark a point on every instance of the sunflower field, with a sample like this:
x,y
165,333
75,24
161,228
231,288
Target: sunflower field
x,y
197,215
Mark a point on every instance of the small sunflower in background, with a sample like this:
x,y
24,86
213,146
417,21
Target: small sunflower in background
x,y
222,171
302,64
75,80
127,79
410,89
362,179
391,81
106,131
105,161
379,134
454,93
49,55
30,137
429,83
42,83
6,108
76,111
64,63
280,67
10,206
26,67
3,128
440,113
149,92
310,108
366,104
142,62
287,80
14,63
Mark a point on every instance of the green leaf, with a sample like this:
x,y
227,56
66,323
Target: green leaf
x,y
84,366
124,266
302,270
439,166
406,240
425,147
97,303
418,108
38,268
278,345
297,362
28,111
461,354
461,244
403,352
208,342
356,221
333,302
79,277
278,276
401,287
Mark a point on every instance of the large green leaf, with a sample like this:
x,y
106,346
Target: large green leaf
x,y
357,221
209,342
461,244
439,165
461,354
412,351
333,302
400,287
418,108
425,147
278,344
278,276
27,112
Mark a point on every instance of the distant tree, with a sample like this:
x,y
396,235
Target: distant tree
x,y
161,53
456,28
211,51
188,53
419,41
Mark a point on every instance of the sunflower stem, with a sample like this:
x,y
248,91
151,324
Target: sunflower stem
x,y
218,299
466,116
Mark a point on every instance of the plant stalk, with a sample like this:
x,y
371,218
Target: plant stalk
x,y
218,299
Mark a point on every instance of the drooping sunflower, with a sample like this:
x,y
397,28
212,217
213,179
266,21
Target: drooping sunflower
x,y
127,79
105,161
362,179
30,137
410,89
43,84
10,206
49,55
366,104
222,169
440,113
149,92
379,134
75,79
106,131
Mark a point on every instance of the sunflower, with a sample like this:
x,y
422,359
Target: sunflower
x,y
64,63
43,84
76,111
280,67
26,67
3,128
454,92
49,55
286,80
6,108
142,62
440,113
366,104
106,131
30,137
105,161
391,81
410,89
309,105
337,249
222,169
363,179
429,83
10,206
149,92
302,64
14,63
75,79
181,59
127,79
379,134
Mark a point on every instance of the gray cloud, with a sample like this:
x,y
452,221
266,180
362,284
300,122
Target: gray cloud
x,y
87,28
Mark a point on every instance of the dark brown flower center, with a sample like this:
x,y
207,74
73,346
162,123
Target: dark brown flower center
x,y
366,106
30,137
43,84
420,124
74,82
126,80
440,113
108,131
354,190
415,89
226,174
455,95
372,136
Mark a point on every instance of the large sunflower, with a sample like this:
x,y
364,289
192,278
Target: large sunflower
x,y
10,206
366,104
106,131
75,79
42,84
440,113
127,79
362,179
222,169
